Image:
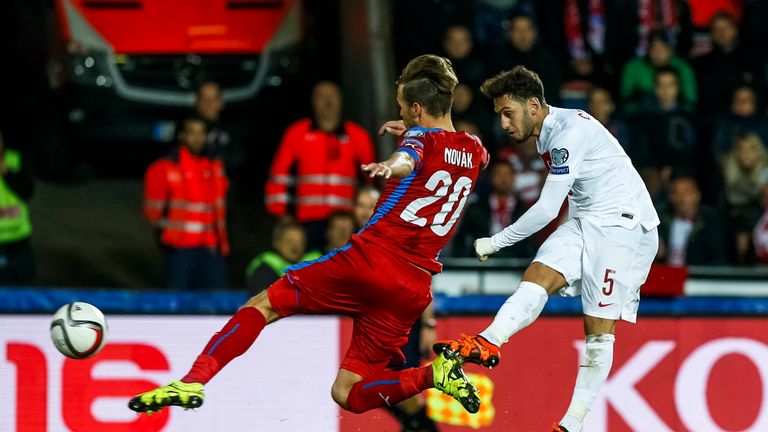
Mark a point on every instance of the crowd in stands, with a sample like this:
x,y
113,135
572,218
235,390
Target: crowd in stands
x,y
682,90
681,85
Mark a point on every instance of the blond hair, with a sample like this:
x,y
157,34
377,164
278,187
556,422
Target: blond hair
x,y
741,183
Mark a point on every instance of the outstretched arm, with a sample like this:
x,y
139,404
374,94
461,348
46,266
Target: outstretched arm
x,y
537,217
399,165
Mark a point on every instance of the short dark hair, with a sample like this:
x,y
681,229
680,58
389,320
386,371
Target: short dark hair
x,y
339,214
519,83
189,119
503,162
280,229
722,15
681,173
597,88
429,80
666,70
659,35
206,84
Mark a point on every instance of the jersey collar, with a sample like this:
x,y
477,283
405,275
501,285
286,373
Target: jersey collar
x,y
546,127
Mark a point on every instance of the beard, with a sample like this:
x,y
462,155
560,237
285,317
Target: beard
x,y
527,131
409,121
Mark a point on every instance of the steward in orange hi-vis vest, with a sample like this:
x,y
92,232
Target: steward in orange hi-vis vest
x,y
325,153
185,196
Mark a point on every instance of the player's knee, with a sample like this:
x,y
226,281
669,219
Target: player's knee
x,y
597,326
261,303
548,278
340,394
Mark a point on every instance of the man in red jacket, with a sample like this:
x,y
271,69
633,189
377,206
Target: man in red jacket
x,y
326,152
185,200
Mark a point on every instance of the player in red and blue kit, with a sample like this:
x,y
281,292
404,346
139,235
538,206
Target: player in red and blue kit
x,y
382,277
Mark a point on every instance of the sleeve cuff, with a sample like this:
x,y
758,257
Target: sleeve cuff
x,y
411,152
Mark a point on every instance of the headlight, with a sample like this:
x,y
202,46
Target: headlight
x,y
90,69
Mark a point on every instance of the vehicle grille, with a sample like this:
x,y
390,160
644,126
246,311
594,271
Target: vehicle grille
x,y
186,72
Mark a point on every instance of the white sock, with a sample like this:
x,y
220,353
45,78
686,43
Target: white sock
x,y
593,370
520,309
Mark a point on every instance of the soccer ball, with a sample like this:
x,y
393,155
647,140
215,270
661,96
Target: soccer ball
x,y
79,330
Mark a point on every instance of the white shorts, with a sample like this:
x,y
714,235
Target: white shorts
x,y
606,265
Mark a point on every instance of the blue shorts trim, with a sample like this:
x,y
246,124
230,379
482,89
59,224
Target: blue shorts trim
x,y
383,382
325,257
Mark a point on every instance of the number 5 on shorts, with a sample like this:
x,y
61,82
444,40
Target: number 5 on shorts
x,y
608,290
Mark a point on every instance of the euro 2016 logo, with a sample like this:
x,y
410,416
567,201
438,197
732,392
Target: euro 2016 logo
x,y
559,156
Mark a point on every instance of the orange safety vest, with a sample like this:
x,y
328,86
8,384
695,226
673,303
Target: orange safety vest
x,y
327,168
185,196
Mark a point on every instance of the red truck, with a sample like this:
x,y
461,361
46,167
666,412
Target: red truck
x,y
131,66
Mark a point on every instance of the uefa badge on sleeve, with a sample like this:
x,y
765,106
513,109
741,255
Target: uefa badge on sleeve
x,y
559,158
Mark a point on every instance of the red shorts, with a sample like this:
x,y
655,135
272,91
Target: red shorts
x,y
383,293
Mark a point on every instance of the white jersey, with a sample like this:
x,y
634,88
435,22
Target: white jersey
x,y
606,187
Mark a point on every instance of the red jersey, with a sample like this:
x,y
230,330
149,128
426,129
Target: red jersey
x,y
416,216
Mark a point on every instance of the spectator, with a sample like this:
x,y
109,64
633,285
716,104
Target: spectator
x,y
600,105
208,106
185,200
465,105
523,48
640,19
288,246
743,117
17,265
529,169
468,108
743,170
584,34
702,11
663,134
326,152
760,231
339,229
419,26
491,19
469,127
365,205
458,48
637,79
487,215
690,234
725,68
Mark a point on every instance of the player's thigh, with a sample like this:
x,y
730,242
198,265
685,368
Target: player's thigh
x,y
612,270
368,352
380,332
562,252
335,284
646,254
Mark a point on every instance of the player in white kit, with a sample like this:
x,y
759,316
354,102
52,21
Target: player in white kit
x,y
603,252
